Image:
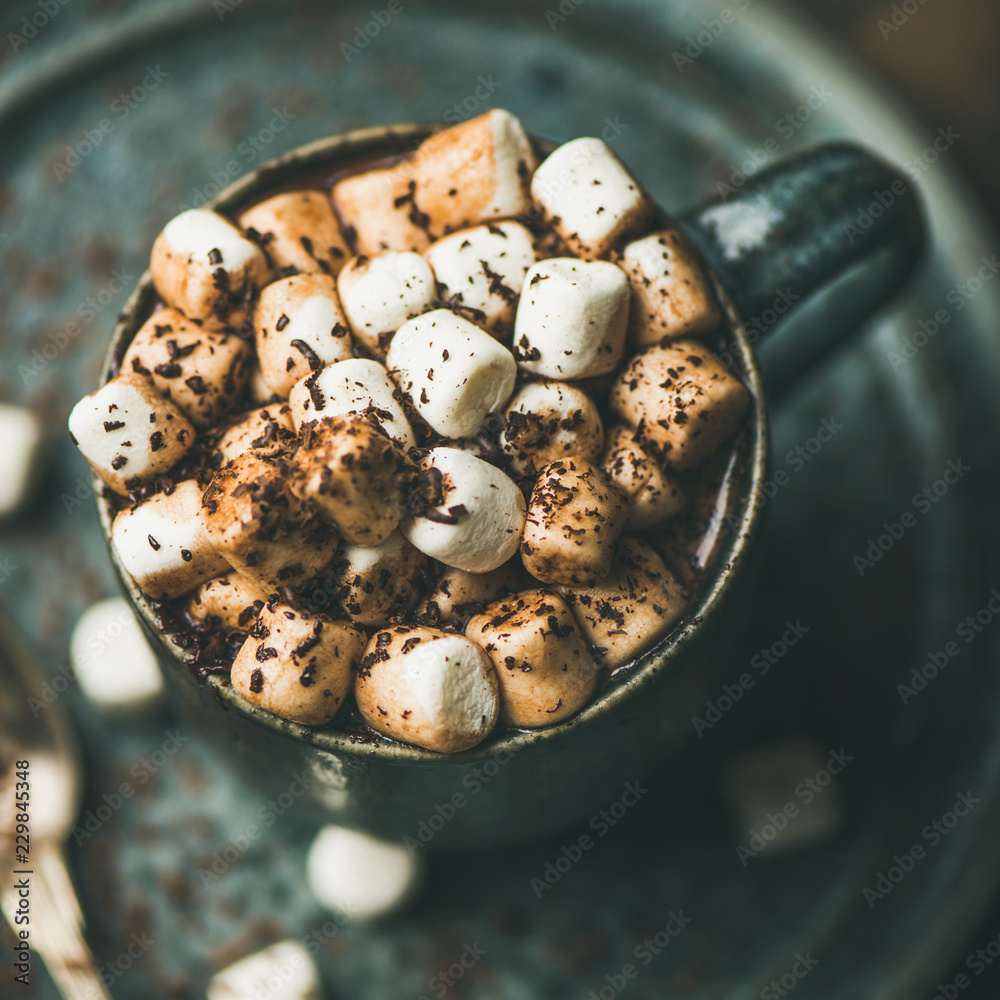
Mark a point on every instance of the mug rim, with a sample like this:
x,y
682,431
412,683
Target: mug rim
x,y
635,677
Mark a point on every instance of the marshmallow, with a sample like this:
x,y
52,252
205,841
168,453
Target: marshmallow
x,y
258,391
230,599
681,401
111,658
297,665
474,514
204,372
260,527
298,230
267,430
574,519
380,293
163,544
129,433
377,210
543,667
356,475
458,594
20,443
590,198
205,267
379,583
656,497
359,876
474,172
430,688
572,318
482,270
284,971
355,386
546,421
299,327
454,372
635,606
671,297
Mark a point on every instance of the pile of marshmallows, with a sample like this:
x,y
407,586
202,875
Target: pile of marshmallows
x,y
450,323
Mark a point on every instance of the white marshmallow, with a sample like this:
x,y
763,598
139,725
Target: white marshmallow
x,y
351,387
163,544
112,660
483,269
590,197
283,971
454,372
359,876
572,318
20,438
379,294
483,535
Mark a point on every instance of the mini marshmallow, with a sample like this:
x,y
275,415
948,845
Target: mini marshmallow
x,y
671,296
20,447
574,519
111,658
235,602
258,391
477,171
377,209
572,318
261,528
681,401
299,327
474,516
204,372
454,372
267,430
355,386
163,544
204,266
430,688
297,665
359,876
590,197
656,497
283,971
482,269
543,667
298,230
379,583
354,473
635,606
546,421
458,594
129,433
380,293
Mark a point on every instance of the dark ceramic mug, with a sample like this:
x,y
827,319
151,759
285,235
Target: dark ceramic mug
x,y
796,226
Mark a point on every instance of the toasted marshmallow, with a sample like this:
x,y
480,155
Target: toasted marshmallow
x,y
543,667
454,372
427,687
20,448
482,269
457,595
205,267
163,544
590,198
380,582
355,386
299,327
258,391
656,497
474,172
546,421
572,318
283,971
234,601
203,371
129,433
267,430
475,516
681,401
297,665
377,209
298,229
671,296
380,293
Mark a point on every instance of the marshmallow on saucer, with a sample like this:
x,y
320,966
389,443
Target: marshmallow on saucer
x,y
283,971
379,582
20,441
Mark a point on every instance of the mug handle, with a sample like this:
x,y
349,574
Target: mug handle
x,y
797,227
